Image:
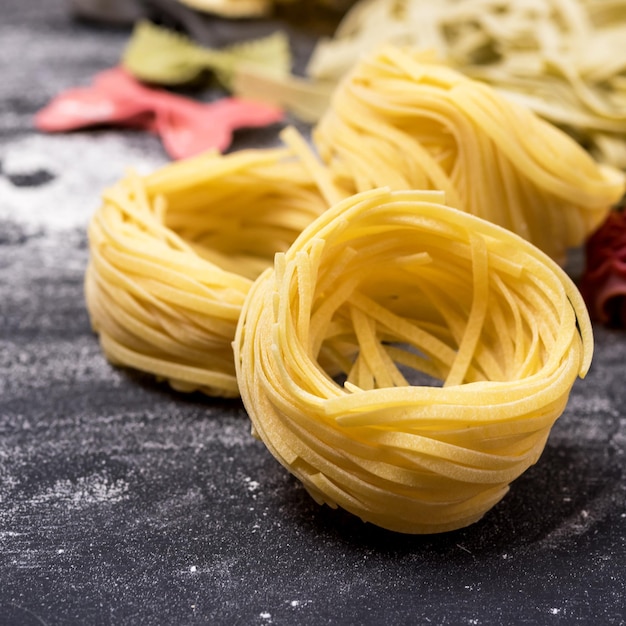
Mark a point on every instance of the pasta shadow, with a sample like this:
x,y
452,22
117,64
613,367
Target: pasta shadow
x,y
563,497
147,383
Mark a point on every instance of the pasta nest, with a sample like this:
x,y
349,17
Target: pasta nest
x,y
174,253
419,124
406,360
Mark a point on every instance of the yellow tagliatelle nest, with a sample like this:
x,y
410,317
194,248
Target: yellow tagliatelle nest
x,y
564,59
392,291
173,255
404,120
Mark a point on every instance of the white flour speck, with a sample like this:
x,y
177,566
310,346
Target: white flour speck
x,y
299,603
253,485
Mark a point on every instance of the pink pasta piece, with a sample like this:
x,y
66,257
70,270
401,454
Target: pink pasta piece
x,y
186,127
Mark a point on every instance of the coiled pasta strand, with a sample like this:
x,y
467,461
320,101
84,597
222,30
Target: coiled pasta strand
x,y
404,120
564,59
335,366
174,253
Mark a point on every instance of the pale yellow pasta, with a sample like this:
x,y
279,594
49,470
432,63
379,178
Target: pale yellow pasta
x,y
565,59
231,8
246,9
402,119
406,361
173,255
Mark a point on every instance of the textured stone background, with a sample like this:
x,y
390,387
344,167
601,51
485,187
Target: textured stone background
x,y
122,502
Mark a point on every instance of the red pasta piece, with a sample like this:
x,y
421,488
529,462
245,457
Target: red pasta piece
x,y
603,283
186,127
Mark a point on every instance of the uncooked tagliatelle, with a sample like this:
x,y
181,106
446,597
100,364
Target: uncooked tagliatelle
x,y
259,8
340,348
564,59
403,119
173,255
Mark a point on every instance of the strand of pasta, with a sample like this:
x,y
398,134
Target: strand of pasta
x,y
404,120
406,456
562,58
174,253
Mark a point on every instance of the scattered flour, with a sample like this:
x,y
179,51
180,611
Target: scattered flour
x,y
82,166
84,491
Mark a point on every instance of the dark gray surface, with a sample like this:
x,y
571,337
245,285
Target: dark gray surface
x,y
122,502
